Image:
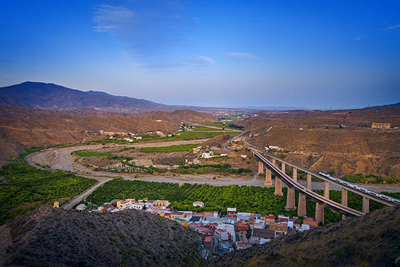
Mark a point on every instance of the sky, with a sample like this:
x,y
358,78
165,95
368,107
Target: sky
x,y
313,54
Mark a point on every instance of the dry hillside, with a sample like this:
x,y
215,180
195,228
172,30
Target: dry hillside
x,y
21,128
56,237
316,140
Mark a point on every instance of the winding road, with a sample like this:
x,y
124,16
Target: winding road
x,y
62,159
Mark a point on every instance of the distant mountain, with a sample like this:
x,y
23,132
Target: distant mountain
x,y
35,95
397,105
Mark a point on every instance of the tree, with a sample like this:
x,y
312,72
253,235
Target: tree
x,y
248,234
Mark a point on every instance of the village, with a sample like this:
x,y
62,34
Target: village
x,y
219,234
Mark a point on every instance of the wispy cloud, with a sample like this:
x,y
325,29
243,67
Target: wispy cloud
x,y
359,38
393,27
203,59
111,18
241,55
151,30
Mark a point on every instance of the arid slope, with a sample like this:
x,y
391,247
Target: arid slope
x,y
21,128
56,237
316,139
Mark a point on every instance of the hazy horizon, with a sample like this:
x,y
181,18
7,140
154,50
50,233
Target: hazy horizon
x,y
224,54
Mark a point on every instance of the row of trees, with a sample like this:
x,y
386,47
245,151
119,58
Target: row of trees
x,y
25,188
245,198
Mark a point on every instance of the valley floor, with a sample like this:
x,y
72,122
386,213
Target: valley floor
x,y
62,159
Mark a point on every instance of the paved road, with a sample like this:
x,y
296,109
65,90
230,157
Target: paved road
x,y
85,194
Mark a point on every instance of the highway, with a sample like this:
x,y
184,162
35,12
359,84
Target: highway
x,y
291,183
350,187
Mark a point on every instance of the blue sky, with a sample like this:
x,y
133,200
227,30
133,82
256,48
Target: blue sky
x,y
315,54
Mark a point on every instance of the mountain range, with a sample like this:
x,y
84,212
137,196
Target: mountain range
x,y
35,95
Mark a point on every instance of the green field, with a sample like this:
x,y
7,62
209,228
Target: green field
x,y
202,129
24,188
246,199
210,168
195,135
169,149
90,153
222,125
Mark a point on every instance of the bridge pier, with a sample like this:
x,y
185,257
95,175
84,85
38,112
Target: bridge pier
x,y
326,189
278,183
309,186
365,207
290,200
268,177
278,187
291,197
344,197
319,213
302,205
260,167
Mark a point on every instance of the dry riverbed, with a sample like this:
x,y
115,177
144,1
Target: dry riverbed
x,y
61,159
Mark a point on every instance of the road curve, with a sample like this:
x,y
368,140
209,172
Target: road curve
x,y
32,164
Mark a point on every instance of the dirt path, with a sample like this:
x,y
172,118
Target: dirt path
x,y
62,159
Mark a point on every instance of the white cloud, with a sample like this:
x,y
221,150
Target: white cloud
x,y
358,38
109,18
204,59
393,27
241,54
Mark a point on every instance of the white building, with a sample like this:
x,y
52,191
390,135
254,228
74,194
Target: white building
x,y
81,207
207,155
138,206
198,204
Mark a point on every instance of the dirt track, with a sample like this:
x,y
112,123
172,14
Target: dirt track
x,y
62,159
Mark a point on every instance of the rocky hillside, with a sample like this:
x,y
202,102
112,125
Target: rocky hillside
x,y
372,240
316,139
21,128
55,237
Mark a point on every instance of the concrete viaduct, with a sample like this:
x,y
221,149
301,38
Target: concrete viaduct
x,y
268,164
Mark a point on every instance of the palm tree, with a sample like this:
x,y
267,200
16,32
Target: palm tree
x,y
248,234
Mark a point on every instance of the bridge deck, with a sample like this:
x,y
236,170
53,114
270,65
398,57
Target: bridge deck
x,y
291,183
349,188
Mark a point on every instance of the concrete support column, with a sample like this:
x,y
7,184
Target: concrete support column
x,y
365,207
294,174
344,197
278,187
319,213
274,162
283,167
309,186
290,200
268,177
260,167
301,209
326,190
